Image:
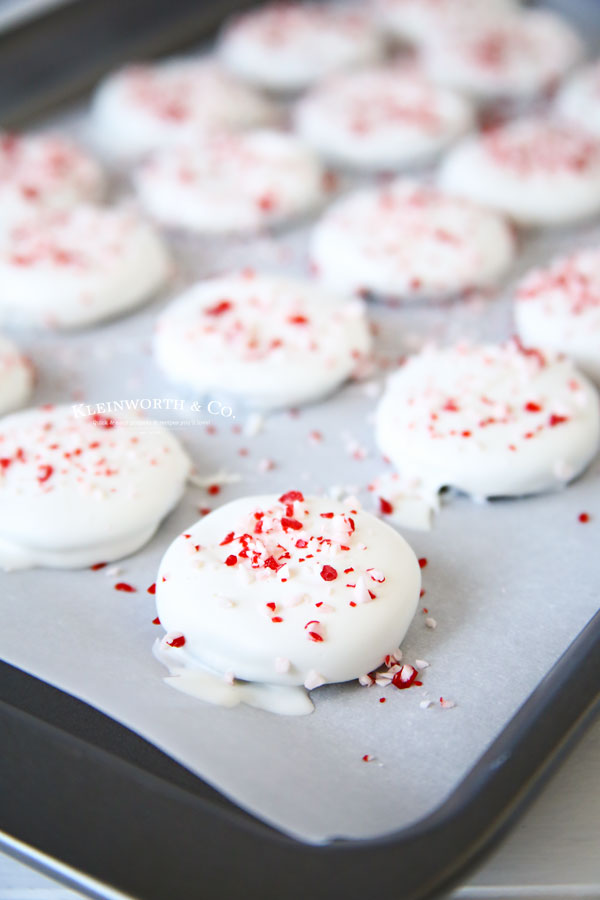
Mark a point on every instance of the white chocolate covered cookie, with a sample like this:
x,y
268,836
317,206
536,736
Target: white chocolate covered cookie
x,y
409,240
16,377
269,340
537,171
144,108
490,420
78,267
420,21
381,118
290,46
557,308
78,489
43,172
283,591
232,183
509,57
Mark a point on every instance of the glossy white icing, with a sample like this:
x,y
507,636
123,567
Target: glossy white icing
x,y
381,118
269,340
145,107
490,420
77,267
285,591
407,239
287,47
81,489
537,171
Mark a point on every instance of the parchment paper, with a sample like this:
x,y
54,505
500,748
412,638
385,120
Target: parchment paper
x,y
509,583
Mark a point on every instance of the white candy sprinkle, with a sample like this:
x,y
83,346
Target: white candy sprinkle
x,y
447,704
425,704
313,680
430,623
282,665
421,664
365,680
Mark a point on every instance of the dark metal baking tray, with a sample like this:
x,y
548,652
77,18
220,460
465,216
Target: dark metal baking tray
x,y
96,805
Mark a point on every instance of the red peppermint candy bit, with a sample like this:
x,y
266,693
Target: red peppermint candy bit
x,y
298,320
423,562
315,636
227,540
584,517
219,308
213,489
231,560
44,473
123,586
276,619
300,543
382,699
405,677
326,515
557,420
156,621
272,606
328,573
294,524
97,566
103,421
532,407
152,589
5,462
177,641
266,202
271,563
385,507
291,497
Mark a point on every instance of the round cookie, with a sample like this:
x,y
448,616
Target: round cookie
x,y
42,172
489,420
381,119
286,591
288,47
78,267
557,308
146,107
16,377
78,489
232,183
504,58
578,100
409,240
537,171
271,341
418,21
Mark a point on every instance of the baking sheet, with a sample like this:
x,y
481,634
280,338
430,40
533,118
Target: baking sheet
x,y
509,583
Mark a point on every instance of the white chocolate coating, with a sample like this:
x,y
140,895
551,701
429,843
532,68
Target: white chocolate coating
x,y
78,267
232,183
557,308
41,173
578,100
287,592
419,21
81,489
381,118
507,57
536,171
140,109
409,240
16,377
269,340
288,47
490,420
